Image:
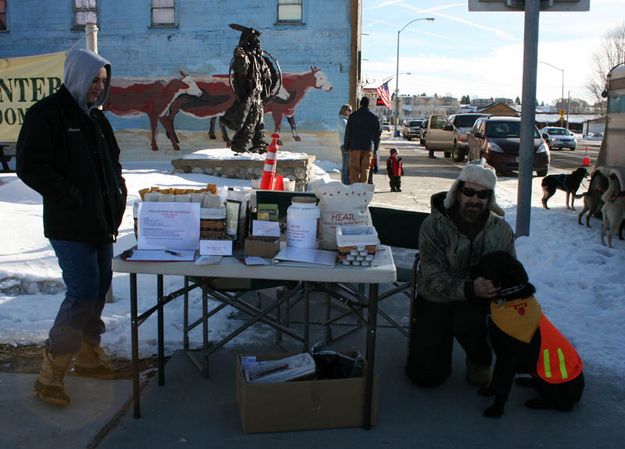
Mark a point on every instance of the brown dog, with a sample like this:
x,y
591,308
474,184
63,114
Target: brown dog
x,y
567,182
613,212
592,197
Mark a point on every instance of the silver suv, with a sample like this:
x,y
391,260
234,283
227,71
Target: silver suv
x,y
410,130
558,137
463,123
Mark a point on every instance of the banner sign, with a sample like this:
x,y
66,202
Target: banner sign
x,y
23,82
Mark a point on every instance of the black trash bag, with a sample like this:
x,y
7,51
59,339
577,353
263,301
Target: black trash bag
x,y
336,365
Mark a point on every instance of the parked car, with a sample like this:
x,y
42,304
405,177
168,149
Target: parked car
x,y
423,130
386,126
497,139
410,129
441,135
463,123
558,137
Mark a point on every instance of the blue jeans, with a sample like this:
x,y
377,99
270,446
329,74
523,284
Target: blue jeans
x,y
87,275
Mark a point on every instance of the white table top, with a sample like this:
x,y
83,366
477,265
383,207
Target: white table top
x,y
230,267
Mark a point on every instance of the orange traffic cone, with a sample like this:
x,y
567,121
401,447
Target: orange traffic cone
x,y
269,170
279,183
586,160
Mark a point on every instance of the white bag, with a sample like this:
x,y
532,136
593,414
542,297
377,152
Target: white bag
x,y
340,205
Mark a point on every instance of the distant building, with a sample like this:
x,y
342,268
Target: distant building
x,y
499,109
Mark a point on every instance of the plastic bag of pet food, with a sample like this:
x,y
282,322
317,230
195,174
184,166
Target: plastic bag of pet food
x,y
341,205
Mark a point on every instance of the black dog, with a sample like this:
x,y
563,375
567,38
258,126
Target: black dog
x,y
567,182
524,341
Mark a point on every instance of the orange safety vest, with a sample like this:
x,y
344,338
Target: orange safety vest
x,y
558,361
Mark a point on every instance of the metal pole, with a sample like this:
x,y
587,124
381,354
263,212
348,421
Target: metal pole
x,y
568,110
91,36
528,117
397,89
562,101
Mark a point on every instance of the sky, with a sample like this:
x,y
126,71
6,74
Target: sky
x,y
579,281
481,53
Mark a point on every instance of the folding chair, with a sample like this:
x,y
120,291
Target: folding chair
x,y
400,230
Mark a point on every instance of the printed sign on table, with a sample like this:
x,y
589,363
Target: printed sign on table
x,y
174,226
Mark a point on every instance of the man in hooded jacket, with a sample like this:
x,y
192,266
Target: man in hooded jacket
x,y
465,224
68,153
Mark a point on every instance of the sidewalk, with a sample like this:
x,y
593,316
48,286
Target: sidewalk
x,y
191,411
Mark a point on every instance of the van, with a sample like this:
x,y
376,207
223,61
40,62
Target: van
x,y
441,135
611,157
463,123
498,140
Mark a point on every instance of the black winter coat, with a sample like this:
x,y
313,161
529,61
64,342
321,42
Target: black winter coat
x,y
362,130
72,160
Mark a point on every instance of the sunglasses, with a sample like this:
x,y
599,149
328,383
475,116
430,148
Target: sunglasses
x,y
481,194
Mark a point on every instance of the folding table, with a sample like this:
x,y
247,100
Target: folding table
x,y
383,272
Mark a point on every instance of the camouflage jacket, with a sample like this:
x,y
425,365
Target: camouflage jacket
x,y
447,254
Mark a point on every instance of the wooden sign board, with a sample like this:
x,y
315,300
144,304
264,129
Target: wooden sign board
x,y
519,5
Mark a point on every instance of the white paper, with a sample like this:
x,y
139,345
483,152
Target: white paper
x,y
216,247
263,228
305,257
208,260
174,226
158,255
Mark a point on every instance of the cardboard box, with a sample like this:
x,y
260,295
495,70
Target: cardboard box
x,y
303,404
261,246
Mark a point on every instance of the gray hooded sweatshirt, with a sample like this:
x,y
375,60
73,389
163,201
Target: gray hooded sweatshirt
x,y
81,67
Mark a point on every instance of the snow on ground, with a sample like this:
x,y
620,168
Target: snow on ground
x,y
579,281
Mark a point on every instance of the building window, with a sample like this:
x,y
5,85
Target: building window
x,y
3,16
85,11
290,11
163,13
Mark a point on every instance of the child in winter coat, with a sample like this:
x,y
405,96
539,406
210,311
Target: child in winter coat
x,y
394,170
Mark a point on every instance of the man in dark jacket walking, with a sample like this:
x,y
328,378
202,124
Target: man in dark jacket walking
x,y
68,153
362,135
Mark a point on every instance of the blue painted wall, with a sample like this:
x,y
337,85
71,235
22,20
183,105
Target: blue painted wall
x,y
202,44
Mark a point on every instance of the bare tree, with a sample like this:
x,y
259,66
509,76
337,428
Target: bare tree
x,y
610,54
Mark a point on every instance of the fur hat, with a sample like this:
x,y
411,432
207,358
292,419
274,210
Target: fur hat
x,y
481,174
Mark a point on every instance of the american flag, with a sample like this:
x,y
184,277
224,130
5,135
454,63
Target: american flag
x,y
384,95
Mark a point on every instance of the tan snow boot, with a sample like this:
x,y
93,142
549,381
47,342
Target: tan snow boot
x,y
90,361
49,385
478,375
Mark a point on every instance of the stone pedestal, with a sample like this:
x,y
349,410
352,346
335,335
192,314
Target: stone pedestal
x,y
300,170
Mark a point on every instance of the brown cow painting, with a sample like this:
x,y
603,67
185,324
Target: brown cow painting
x,y
206,97
132,97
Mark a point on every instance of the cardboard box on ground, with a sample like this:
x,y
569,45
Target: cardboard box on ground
x,y
302,404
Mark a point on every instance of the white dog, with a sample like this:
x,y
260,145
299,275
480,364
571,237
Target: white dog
x,y
613,212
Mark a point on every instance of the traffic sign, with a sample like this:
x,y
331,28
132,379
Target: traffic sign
x,y
519,5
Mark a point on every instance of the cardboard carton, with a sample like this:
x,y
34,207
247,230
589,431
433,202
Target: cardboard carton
x,y
261,246
303,404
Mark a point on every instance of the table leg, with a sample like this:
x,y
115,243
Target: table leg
x,y
160,330
371,335
134,337
185,316
307,289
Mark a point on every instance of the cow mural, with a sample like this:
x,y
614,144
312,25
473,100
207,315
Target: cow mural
x,y
133,97
210,100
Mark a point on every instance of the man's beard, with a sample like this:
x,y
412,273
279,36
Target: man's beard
x,y
473,212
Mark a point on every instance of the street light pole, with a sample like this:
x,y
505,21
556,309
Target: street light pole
x,y
429,19
561,95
